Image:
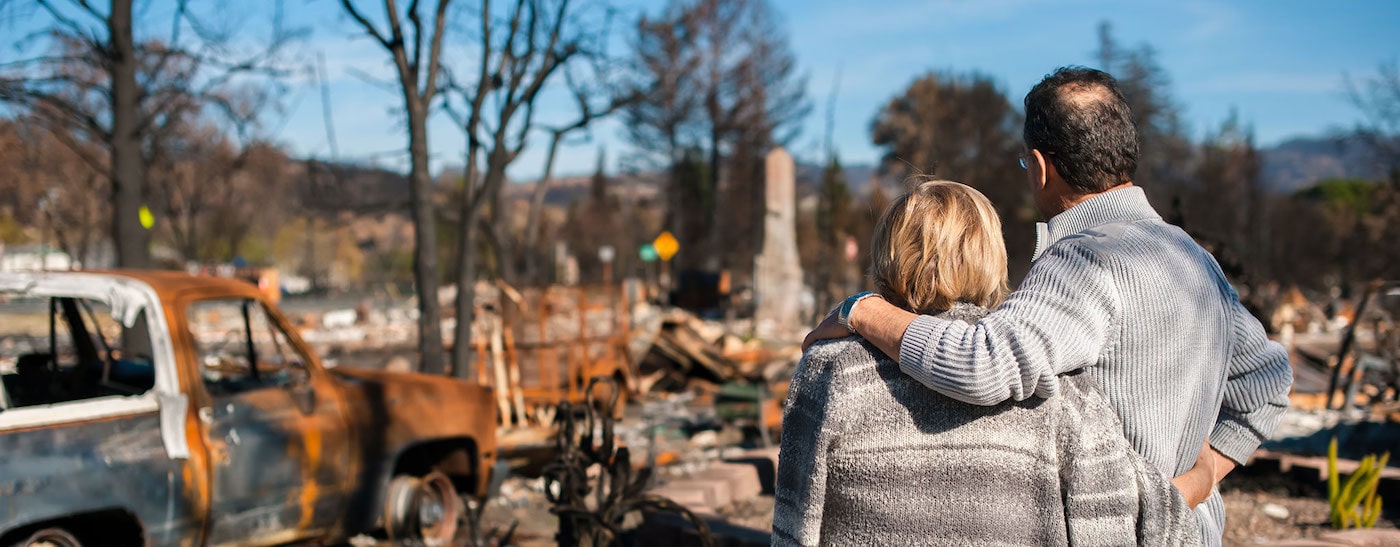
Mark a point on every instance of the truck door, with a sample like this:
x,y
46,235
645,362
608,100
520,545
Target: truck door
x,y
278,455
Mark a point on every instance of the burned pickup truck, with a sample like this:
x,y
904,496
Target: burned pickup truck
x,y
159,408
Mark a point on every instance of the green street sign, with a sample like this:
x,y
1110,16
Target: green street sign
x,y
647,253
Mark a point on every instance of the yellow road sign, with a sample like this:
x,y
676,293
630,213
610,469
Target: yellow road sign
x,y
666,246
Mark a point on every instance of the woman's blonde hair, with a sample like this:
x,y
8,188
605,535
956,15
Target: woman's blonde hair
x,y
938,244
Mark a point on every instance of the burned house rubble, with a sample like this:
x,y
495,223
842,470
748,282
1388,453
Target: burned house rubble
x,y
704,406
682,413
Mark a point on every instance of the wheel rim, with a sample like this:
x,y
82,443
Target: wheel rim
x,y
52,537
398,506
423,508
437,507
430,509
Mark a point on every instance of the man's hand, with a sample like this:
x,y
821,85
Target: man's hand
x,y
1197,483
874,319
828,329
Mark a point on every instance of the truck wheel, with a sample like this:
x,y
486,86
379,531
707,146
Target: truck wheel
x,y
423,508
51,537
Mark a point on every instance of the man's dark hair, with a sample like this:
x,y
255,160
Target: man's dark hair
x,y
1079,119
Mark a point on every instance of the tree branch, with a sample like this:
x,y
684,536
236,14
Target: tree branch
x,y
72,144
369,27
63,108
91,10
417,22
78,29
434,58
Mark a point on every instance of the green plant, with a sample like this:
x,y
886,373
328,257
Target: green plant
x,y
1355,503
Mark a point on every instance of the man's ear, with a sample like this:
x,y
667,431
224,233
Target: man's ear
x,y
1040,169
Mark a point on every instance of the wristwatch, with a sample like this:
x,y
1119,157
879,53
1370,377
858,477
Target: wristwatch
x,y
843,314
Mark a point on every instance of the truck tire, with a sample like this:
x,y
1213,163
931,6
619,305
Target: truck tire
x,y
423,508
51,537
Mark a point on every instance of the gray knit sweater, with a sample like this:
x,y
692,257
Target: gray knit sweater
x,y
1147,313
870,457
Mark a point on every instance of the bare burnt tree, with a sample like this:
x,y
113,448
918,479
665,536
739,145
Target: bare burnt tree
x,y
1226,207
104,85
663,127
961,128
416,48
46,185
215,191
719,87
520,52
718,26
593,101
593,222
1165,157
767,105
833,223
1378,99
662,124
256,168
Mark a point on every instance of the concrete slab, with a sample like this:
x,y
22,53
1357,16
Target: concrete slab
x,y
1363,538
696,495
1347,538
764,461
690,498
742,478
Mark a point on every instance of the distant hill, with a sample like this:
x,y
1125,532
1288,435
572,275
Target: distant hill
x,y
647,185
1299,163
565,190
1287,167
858,176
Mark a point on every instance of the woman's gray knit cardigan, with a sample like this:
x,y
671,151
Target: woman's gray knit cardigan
x,y
871,457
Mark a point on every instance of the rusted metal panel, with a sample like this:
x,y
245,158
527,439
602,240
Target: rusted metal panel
x,y
89,466
277,473
543,346
395,411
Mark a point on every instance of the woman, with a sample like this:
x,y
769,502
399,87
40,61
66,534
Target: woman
x,y
871,457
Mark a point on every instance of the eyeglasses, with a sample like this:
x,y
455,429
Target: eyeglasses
x,y
1025,159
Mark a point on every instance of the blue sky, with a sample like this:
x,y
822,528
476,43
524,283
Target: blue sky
x,y
1281,64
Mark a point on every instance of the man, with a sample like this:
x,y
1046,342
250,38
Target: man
x,y
1113,290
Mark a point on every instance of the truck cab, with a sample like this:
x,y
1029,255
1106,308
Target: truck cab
x,y
161,408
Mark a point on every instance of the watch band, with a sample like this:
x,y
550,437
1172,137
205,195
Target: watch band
x,y
843,316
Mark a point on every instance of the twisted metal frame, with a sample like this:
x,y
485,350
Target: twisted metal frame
x,y
619,490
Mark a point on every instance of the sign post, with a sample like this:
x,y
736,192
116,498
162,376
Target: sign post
x,y
606,255
666,247
647,253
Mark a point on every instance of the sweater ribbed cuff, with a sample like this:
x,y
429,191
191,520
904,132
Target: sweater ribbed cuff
x,y
921,336
1234,440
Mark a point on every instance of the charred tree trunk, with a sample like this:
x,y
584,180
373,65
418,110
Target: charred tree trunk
x,y
466,295
128,163
499,227
417,100
425,266
532,226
